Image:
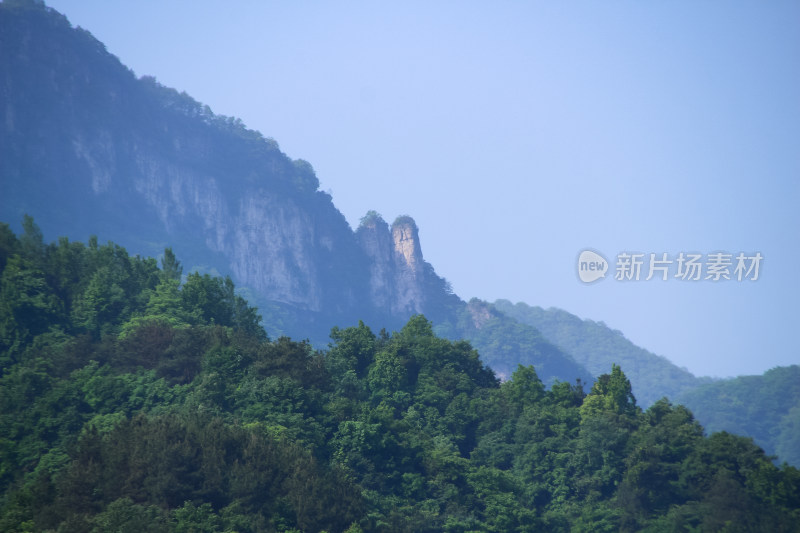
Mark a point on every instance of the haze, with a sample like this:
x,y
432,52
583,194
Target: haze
x,y
519,134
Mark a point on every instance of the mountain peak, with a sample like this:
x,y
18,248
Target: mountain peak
x,y
405,235
480,312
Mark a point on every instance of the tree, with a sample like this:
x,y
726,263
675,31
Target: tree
x,y
610,393
28,306
8,244
170,266
101,304
164,306
31,241
525,388
213,300
651,484
353,349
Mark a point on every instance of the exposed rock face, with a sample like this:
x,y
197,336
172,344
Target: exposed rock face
x,y
272,247
87,148
375,240
411,271
398,273
480,312
406,243
142,164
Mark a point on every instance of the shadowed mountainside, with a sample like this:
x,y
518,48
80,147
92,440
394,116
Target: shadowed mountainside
x,y
86,145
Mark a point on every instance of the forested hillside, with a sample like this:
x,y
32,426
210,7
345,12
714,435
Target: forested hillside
x,y
139,395
596,346
765,407
137,398
505,343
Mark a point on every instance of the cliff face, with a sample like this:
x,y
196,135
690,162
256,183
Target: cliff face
x,y
89,148
411,271
399,276
375,239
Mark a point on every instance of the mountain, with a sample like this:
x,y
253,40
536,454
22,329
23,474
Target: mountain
x,y
765,407
84,142
86,145
504,343
596,347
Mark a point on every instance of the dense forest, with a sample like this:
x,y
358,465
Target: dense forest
x,y
505,343
134,397
765,407
596,346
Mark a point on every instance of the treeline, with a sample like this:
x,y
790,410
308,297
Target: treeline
x,y
133,398
505,343
765,407
596,346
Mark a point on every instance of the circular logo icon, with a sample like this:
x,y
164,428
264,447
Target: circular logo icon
x,y
591,266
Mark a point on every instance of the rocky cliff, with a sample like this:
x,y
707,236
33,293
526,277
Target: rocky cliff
x,y
148,166
88,148
398,273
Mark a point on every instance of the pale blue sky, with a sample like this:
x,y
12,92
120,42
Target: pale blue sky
x,y
519,133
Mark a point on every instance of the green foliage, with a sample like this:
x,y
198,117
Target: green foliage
x,y
8,244
372,217
505,343
765,407
102,302
213,300
595,346
170,266
130,402
611,393
27,306
524,388
304,179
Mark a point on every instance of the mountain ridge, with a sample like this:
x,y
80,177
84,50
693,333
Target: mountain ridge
x,y
223,189
155,168
596,346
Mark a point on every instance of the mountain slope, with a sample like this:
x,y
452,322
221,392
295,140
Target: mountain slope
x,y
82,136
765,407
504,343
87,145
596,346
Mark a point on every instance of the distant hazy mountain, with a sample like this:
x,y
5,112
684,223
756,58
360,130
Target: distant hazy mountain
x,y
596,347
765,407
504,343
88,148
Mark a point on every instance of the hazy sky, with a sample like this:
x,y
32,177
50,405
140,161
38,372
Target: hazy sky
x,y
518,134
